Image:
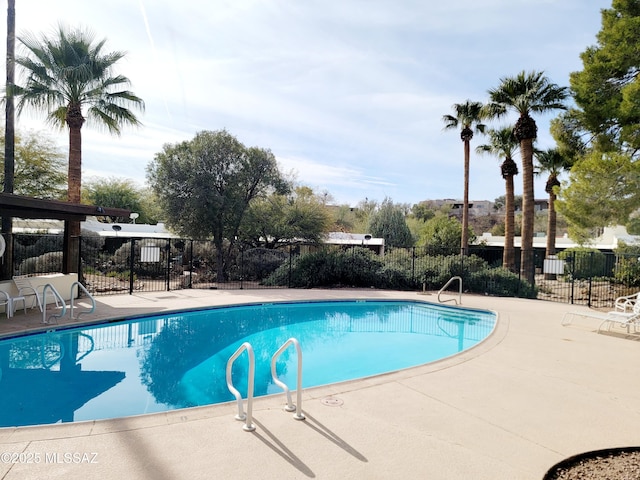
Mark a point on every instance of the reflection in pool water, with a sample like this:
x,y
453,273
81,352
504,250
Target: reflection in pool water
x,y
174,361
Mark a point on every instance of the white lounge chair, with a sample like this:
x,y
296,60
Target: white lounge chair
x,y
626,303
622,318
5,300
27,290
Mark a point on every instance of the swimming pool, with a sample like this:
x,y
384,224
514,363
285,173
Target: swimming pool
x,y
166,362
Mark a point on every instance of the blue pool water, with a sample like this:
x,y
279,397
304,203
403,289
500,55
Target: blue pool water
x,y
165,362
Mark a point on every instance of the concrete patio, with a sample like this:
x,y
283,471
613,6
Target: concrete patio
x,y
532,394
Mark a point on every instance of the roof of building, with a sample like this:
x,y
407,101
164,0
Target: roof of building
x,y
342,238
127,230
609,240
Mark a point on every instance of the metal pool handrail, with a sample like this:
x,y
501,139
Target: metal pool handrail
x,y
86,292
445,287
290,407
248,426
44,303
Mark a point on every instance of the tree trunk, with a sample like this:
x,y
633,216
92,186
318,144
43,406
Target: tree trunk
x,y
551,226
9,139
75,163
551,232
508,256
527,266
72,228
464,239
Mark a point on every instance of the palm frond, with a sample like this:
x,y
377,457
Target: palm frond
x,y
70,68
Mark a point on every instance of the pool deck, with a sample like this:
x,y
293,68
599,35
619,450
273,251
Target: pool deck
x,y
534,393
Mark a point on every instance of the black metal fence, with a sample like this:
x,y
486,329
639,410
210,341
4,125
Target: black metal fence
x,y
109,267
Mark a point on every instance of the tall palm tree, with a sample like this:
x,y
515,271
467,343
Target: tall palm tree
x,y
554,163
526,93
503,144
67,73
9,139
468,116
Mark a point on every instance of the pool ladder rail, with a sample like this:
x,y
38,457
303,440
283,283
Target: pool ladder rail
x,y
61,303
451,280
248,416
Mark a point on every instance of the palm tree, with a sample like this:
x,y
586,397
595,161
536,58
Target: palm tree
x,y
469,116
553,162
9,139
503,144
66,74
526,93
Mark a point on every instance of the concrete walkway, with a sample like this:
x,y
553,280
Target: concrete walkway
x,y
532,394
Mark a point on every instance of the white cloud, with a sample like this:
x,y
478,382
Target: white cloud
x,y
350,93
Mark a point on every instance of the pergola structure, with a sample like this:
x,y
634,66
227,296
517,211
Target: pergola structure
x,y
19,206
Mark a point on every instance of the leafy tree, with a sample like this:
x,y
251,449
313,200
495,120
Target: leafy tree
x,y
603,189
503,144
468,116
117,193
500,202
206,185
526,93
343,218
363,211
442,234
278,218
554,163
633,226
565,131
607,90
65,74
389,223
150,205
38,167
606,121
424,210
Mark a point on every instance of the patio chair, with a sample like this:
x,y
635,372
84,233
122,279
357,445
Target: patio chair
x,y
28,291
622,318
626,303
5,300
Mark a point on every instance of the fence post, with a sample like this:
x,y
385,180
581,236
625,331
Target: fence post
x,y
167,249
80,265
413,265
241,266
290,266
572,263
191,266
132,263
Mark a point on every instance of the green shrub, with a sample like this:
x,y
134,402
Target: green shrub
x,y
306,271
436,271
259,263
395,278
362,268
49,262
627,271
500,282
32,245
357,267
582,263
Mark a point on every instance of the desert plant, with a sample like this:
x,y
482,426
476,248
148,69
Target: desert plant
x,y
259,263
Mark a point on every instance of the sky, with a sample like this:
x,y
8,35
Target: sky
x,y
348,94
